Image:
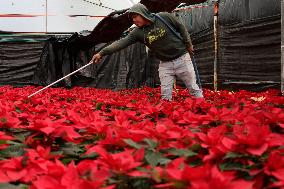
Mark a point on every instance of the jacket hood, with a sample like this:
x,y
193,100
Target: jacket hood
x,y
142,10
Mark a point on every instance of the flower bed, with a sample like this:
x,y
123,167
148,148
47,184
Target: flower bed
x,y
86,138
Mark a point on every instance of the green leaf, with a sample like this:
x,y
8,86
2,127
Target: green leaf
x,y
231,166
196,147
18,109
233,155
196,163
152,144
179,152
133,144
154,158
141,183
133,101
68,160
3,120
11,186
21,136
71,149
3,142
15,150
195,130
90,156
99,106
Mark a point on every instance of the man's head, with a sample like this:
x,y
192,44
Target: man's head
x,y
139,20
140,15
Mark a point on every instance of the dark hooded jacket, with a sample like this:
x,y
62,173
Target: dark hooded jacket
x,y
157,36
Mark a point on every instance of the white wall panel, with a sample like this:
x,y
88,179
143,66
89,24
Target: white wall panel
x,y
56,15
22,15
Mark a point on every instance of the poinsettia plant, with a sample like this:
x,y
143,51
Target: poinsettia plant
x,y
84,138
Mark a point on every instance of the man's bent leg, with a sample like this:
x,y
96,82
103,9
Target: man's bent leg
x,y
185,71
166,75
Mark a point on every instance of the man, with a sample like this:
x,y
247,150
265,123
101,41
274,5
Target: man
x,y
173,52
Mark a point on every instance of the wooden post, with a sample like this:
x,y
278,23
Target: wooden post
x,y
282,47
216,49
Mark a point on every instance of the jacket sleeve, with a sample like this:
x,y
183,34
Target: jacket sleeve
x,y
119,44
179,28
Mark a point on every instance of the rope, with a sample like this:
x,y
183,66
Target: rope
x,y
100,5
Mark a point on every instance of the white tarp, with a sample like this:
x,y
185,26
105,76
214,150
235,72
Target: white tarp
x,y
56,15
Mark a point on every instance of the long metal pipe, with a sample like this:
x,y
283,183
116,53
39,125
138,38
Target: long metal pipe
x,y
60,79
46,13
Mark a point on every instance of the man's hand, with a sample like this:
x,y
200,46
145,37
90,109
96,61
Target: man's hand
x,y
190,50
97,58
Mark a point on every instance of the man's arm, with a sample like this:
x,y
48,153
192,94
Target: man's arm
x,y
115,46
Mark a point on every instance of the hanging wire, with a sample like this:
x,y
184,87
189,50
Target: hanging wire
x,y
100,4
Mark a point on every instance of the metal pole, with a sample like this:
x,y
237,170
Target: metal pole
x,y
46,19
216,8
282,46
60,79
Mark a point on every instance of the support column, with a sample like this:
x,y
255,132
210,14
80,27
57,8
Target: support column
x,y
46,16
282,47
216,45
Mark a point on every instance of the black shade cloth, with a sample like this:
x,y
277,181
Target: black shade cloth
x,y
167,5
19,56
17,62
124,69
249,51
243,10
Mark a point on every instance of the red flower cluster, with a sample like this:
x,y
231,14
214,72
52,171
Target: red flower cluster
x,y
85,138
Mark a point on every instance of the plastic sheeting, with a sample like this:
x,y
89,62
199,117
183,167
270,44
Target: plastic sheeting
x,y
250,52
249,35
55,62
18,61
124,69
196,19
249,42
167,5
236,11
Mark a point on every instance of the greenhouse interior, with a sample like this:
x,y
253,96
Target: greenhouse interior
x,y
88,97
